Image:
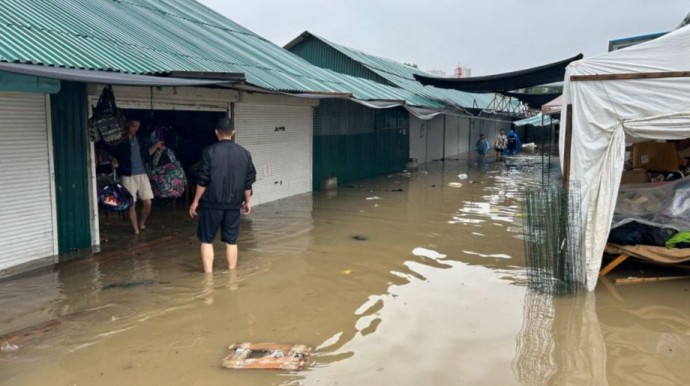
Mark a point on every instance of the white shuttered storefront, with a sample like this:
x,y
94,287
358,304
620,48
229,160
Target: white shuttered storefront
x,y
280,140
26,185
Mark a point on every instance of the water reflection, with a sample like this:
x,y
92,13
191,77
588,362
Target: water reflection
x,y
388,291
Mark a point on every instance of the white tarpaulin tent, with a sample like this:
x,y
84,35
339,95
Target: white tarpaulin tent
x,y
635,94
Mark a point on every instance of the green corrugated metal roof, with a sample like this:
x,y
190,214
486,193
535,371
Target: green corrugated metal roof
x,y
154,37
403,76
149,37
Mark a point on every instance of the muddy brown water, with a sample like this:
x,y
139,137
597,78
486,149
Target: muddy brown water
x,y
422,286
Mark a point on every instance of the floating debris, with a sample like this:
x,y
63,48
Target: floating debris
x,y
373,198
8,347
273,356
346,272
360,238
455,185
462,176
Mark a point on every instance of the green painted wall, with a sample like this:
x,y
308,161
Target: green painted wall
x,y
25,83
354,142
70,142
322,55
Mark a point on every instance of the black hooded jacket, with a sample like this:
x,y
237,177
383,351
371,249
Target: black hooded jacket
x,y
226,172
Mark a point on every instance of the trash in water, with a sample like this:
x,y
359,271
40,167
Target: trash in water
x,y
360,238
8,347
346,272
397,190
373,198
455,185
406,174
530,145
462,176
130,284
273,356
423,252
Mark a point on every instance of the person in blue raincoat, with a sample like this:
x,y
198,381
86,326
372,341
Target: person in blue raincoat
x,y
514,143
482,145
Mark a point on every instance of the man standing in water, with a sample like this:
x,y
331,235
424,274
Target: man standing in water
x,y
224,186
129,160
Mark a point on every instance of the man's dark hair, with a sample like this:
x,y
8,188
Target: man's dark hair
x,y
225,126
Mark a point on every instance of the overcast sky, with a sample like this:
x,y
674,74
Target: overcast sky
x,y
489,36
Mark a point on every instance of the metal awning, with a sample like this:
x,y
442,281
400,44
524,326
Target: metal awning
x,y
538,120
508,81
534,101
120,78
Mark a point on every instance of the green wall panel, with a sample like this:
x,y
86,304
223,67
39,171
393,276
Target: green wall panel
x,y
354,142
68,114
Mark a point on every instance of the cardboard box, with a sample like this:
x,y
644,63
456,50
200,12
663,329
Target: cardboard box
x,y
655,156
635,176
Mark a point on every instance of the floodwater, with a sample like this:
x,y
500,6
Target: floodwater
x,y
400,280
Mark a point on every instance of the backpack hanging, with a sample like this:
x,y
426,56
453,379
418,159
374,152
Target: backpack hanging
x,y
115,197
168,179
107,122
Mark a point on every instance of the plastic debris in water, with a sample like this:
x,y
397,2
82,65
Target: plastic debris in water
x,y
360,238
266,356
373,198
346,272
462,176
423,252
455,185
8,347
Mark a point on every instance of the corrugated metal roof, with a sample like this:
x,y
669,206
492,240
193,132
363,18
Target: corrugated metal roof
x,y
403,76
149,37
160,36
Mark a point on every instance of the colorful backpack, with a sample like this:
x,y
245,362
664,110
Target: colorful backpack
x,y
168,179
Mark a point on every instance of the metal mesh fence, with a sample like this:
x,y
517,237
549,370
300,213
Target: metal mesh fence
x,y
553,239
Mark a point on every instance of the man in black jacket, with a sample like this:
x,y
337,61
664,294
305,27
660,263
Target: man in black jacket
x,y
224,186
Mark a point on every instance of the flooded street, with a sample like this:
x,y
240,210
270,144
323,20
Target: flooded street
x,y
400,280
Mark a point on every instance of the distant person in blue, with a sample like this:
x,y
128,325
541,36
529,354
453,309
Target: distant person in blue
x,y
514,144
482,145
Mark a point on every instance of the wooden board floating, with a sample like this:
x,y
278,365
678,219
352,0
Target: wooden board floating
x,y
272,356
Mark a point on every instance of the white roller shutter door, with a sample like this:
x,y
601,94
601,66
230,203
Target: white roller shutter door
x,y
26,198
280,140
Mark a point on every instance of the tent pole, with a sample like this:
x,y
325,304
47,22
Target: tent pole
x,y
568,145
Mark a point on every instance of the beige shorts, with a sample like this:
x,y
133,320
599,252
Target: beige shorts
x,y
138,185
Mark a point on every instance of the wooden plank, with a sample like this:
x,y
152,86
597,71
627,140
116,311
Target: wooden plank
x,y
568,147
612,265
640,280
629,76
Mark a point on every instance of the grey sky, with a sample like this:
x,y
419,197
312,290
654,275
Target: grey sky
x,y
490,36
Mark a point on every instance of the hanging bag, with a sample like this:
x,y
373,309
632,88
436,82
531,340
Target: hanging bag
x,y
168,179
107,122
115,197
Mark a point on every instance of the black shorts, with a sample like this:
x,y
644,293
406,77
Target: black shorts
x,y
228,220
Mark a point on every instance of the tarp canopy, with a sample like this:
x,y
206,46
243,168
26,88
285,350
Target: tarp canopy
x,y
553,107
649,101
538,120
508,81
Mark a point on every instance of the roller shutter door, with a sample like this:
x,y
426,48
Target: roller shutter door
x,y
26,204
280,140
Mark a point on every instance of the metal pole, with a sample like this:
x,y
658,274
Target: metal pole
x,y
444,136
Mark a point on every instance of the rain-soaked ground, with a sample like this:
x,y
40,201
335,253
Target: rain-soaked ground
x,y
424,285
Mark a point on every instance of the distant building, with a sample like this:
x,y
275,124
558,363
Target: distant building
x,y
462,72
